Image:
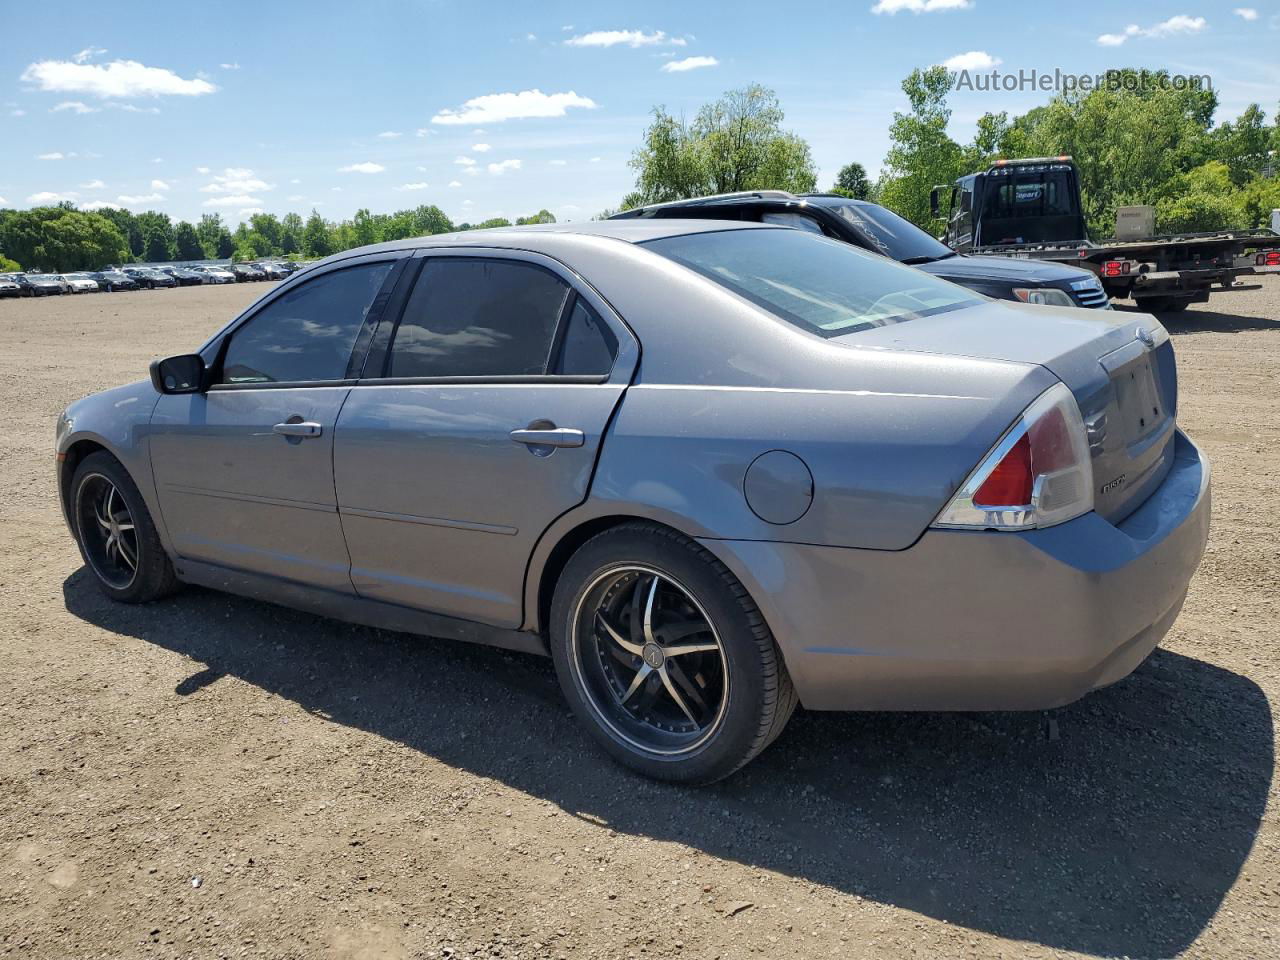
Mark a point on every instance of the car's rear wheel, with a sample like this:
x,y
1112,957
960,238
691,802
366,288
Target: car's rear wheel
x,y
664,656
116,534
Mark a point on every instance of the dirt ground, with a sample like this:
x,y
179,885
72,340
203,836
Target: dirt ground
x,y
213,777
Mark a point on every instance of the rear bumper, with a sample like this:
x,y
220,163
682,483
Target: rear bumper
x,y
982,621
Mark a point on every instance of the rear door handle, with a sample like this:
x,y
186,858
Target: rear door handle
x,y
300,428
550,437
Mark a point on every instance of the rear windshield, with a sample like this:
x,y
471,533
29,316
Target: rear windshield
x,y
891,234
823,286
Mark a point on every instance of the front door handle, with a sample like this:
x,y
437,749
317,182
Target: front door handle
x,y
549,437
298,428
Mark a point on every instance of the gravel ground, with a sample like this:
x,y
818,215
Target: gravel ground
x,y
214,777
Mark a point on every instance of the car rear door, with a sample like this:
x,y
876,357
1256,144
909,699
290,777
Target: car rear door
x,y
244,471
476,425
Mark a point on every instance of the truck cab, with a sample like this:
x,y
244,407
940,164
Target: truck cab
x,y
1032,201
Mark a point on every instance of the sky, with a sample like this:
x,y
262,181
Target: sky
x,y
503,108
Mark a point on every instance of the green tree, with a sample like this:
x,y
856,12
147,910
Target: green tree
x,y
8,266
542,216
127,224
157,236
734,143
291,234
209,230
1202,199
268,227
852,182
493,222
62,239
187,242
316,239
921,154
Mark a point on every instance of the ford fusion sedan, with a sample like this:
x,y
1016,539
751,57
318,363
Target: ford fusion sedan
x,y
880,230
712,469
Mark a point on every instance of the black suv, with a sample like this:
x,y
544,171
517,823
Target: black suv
x,y
875,228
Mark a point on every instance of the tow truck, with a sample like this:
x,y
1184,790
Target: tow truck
x,y
1030,209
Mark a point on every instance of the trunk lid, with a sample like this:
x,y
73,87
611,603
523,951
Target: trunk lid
x,y
1119,366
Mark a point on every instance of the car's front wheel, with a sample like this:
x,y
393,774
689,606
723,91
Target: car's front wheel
x,y
116,534
664,656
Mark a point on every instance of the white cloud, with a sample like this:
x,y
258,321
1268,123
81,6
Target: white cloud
x,y
594,160
919,6
236,180
464,161
145,198
480,148
498,169
423,132
1246,13
120,78
230,66
558,163
130,108
366,167
3,201
455,183
237,200
973,60
531,37
295,180
100,205
159,185
50,156
202,169
75,106
336,189
50,197
16,112
1166,28
88,53
92,185
249,211
497,107
689,63
632,38
420,185
296,198
468,203
157,159
390,134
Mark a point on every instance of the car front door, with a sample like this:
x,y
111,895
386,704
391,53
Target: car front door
x,y
244,471
477,425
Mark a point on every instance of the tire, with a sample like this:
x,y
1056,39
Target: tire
x,y
627,698
150,575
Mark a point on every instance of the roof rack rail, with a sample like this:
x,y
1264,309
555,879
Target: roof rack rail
x,y
736,195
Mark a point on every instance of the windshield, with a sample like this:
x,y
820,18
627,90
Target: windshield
x,y
891,234
823,286
1029,195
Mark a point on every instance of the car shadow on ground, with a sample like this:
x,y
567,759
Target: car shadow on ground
x,y
1207,321
1115,826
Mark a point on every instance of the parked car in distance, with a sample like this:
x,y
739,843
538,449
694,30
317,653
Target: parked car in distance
x,y
184,276
111,280
81,282
834,480
880,230
214,274
247,272
9,287
149,278
44,284
274,271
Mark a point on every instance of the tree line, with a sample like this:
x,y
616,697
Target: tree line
x,y
63,239
1136,140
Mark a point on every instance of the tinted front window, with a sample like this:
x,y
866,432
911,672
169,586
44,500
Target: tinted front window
x,y
820,285
478,318
308,333
890,234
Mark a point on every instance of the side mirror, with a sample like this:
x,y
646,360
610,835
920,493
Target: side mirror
x,y
933,202
181,374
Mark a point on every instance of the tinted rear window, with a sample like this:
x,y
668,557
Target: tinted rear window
x,y
823,286
891,234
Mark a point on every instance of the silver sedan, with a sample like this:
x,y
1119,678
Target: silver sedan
x,y
713,470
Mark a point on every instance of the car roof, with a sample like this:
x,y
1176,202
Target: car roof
x,y
552,237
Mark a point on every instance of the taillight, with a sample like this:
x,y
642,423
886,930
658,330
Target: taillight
x,y
1039,474
1117,268
1269,258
